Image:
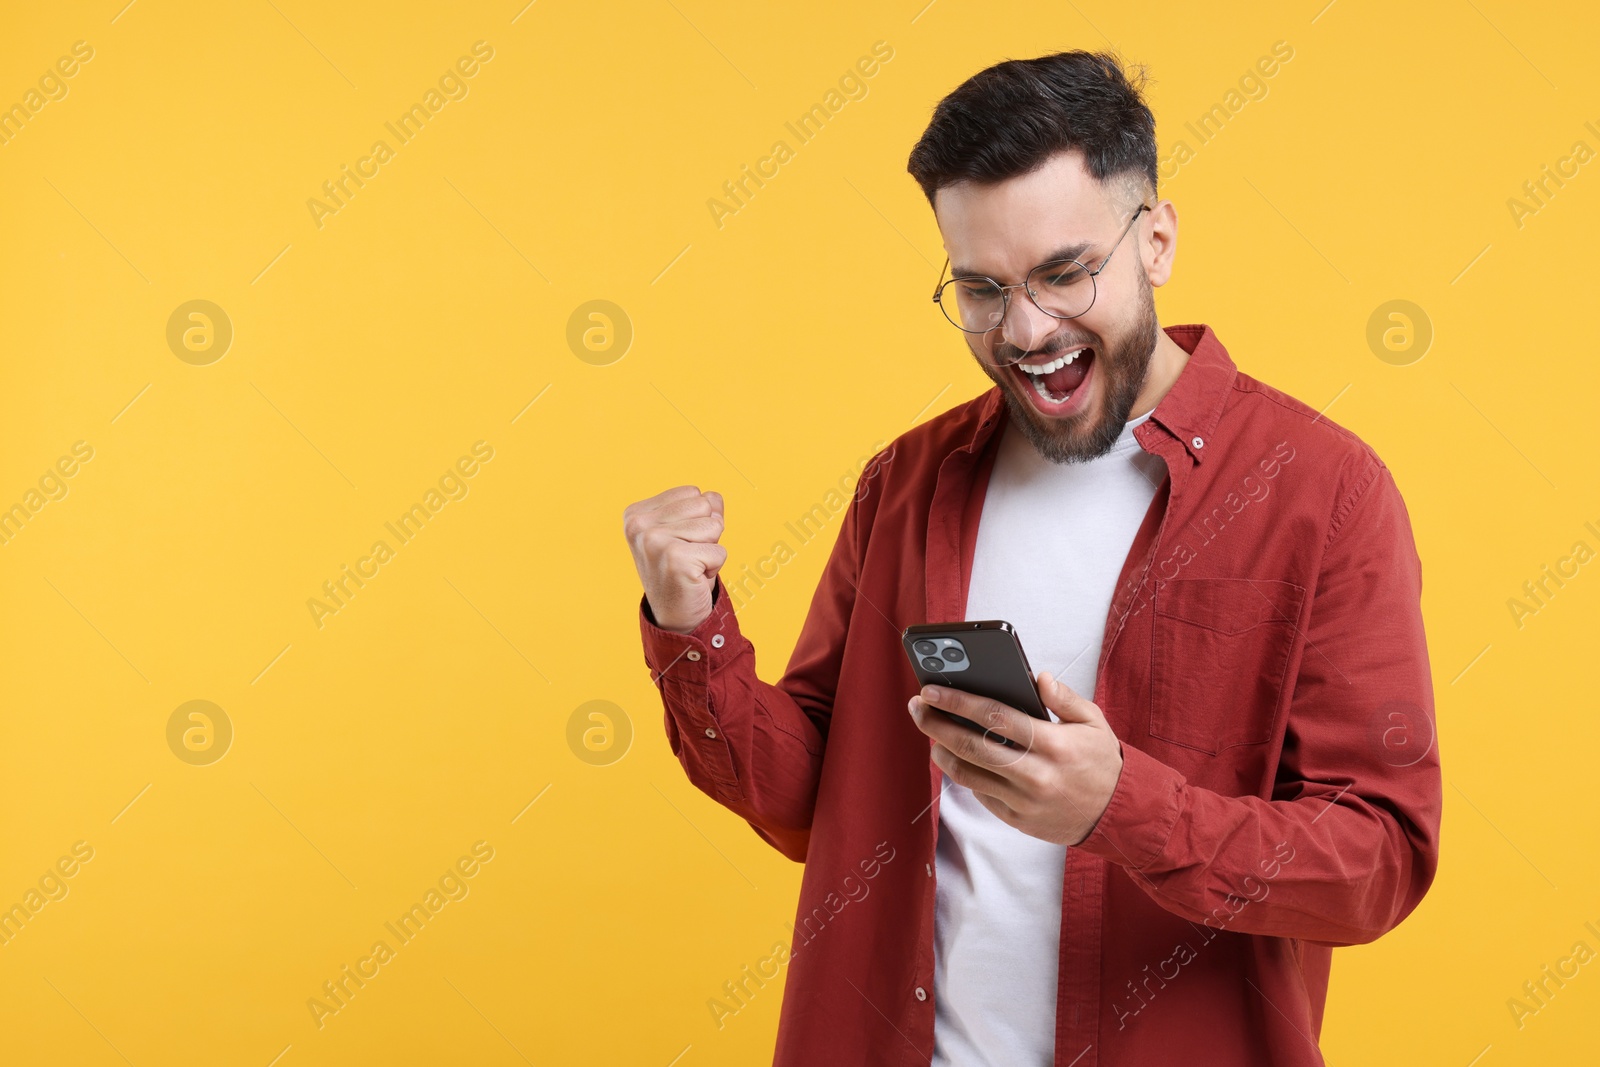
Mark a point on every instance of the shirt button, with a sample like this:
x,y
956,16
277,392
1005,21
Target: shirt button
x,y
1198,442
921,993
930,869
716,640
710,732
692,654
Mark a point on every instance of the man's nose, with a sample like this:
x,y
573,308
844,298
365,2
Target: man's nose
x,y
1025,325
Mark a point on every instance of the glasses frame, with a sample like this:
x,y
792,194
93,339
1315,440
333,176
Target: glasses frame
x,y
1005,290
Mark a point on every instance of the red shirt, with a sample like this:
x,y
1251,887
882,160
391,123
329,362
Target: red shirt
x,y
1264,666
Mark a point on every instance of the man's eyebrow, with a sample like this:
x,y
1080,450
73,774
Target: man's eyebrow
x,y
1064,252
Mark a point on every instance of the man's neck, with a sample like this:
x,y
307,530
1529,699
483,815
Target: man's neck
x,y
1166,363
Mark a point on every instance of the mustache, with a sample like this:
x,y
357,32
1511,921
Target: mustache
x,y
1007,351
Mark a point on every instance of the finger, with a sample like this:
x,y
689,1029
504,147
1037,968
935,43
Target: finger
x,y
984,749
1068,705
703,528
700,561
998,808
689,506
667,496
995,717
980,780
661,550
640,515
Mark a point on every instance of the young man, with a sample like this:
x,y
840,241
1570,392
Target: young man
x,y
1160,872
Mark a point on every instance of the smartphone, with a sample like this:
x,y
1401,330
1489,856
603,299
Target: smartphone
x,y
982,657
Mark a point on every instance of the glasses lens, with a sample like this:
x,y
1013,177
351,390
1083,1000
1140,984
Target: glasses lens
x,y
972,304
1064,289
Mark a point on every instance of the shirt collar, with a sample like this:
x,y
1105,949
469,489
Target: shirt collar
x,y
1189,412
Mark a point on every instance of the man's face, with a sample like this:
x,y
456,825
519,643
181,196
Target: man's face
x,y
1006,229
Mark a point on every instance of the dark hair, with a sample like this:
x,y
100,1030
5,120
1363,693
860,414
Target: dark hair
x,y
1008,119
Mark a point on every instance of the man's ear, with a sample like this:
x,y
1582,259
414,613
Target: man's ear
x,y
1161,245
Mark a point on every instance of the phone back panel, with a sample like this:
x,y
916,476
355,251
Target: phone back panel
x,y
997,667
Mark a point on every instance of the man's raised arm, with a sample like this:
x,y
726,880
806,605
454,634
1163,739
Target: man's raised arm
x,y
754,747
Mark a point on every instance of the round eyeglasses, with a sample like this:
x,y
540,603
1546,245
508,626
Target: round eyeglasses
x,y
1061,288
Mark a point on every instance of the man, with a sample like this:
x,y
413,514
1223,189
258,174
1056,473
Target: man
x,y
1161,871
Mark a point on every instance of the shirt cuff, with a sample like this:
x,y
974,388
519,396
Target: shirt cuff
x,y
692,658
1138,820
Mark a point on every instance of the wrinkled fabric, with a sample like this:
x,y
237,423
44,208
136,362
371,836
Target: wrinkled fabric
x,y
1264,667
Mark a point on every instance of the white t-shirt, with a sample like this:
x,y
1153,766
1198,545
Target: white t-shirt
x,y
1051,543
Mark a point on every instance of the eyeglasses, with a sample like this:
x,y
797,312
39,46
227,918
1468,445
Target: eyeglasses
x,y
1061,288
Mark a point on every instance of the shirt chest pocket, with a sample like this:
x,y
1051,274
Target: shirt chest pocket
x,y
1220,659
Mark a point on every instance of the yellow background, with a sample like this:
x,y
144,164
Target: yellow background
x,y
768,355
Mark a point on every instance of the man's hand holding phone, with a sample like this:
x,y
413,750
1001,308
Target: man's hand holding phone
x,y
1058,780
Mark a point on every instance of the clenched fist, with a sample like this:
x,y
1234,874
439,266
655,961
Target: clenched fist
x,y
673,536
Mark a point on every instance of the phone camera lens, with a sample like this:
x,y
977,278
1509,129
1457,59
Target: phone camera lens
x,y
932,664
954,655
925,648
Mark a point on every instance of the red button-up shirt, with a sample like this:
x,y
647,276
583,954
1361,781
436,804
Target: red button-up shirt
x,y
1263,665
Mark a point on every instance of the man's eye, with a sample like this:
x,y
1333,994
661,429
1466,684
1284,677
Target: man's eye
x,y
979,291
1064,276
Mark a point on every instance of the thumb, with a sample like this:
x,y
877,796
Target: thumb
x,y
1066,703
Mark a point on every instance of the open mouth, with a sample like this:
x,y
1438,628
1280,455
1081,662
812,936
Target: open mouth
x,y
1056,382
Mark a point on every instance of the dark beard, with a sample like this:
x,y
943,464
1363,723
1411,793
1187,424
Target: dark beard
x,y
1121,369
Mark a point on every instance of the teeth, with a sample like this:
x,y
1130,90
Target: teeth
x,y
1055,364
1039,387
